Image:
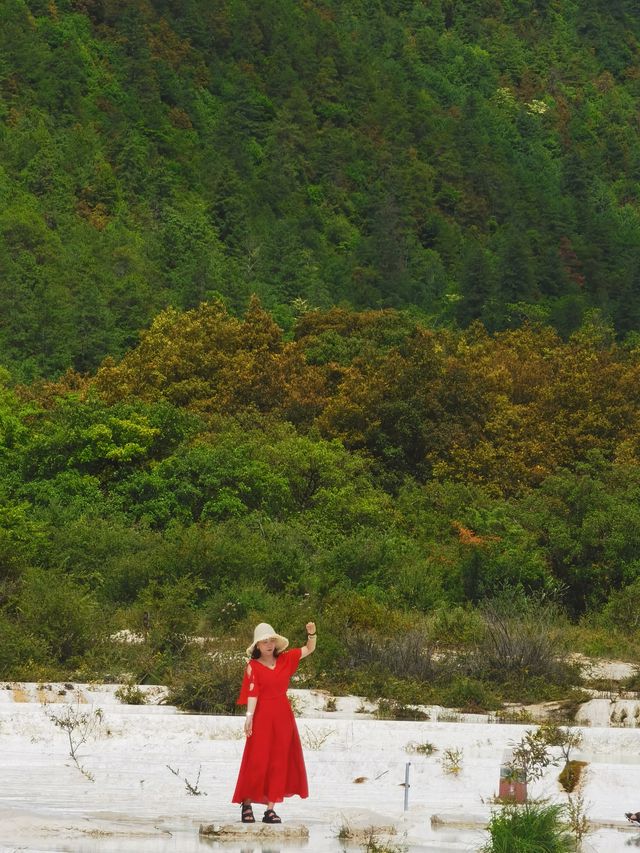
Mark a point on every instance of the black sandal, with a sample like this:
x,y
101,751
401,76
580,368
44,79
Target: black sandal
x,y
247,813
271,817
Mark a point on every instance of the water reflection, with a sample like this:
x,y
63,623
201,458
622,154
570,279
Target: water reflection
x,y
254,846
182,842
260,850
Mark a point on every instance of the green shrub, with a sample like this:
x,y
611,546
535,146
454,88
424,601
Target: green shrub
x,y
230,605
172,617
139,663
207,683
19,650
469,695
621,611
455,626
601,642
391,709
374,684
130,694
530,828
537,689
60,612
347,611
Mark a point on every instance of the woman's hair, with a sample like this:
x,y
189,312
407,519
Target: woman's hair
x,y
255,654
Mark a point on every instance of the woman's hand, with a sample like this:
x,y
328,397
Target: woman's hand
x,y
248,725
311,628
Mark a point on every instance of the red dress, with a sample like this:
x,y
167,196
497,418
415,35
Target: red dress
x,y
272,765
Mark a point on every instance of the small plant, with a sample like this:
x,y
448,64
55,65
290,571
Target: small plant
x,y
79,726
578,820
567,739
296,704
391,709
375,842
451,761
564,737
330,704
513,716
130,694
192,789
345,833
372,839
316,739
425,748
531,756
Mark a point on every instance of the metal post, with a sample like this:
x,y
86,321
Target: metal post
x,y
406,785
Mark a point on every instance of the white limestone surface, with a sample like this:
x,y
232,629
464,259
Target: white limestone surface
x,y
129,790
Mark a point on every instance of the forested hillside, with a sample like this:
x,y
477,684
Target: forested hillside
x,y
470,160
320,309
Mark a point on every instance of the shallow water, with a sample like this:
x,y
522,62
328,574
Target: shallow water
x,y
187,840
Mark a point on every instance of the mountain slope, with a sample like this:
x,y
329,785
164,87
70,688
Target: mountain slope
x,y
474,160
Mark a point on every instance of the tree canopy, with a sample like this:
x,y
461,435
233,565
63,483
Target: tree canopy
x,y
472,161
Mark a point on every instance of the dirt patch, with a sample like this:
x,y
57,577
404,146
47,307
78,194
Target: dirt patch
x,y
20,694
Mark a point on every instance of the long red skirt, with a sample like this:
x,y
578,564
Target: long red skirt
x,y
272,765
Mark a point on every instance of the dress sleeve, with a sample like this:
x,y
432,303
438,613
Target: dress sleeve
x,y
249,686
293,659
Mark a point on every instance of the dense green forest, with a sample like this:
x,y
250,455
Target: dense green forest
x,y
468,160
320,309
393,481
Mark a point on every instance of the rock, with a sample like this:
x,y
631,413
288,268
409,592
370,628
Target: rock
x,y
253,830
459,821
362,825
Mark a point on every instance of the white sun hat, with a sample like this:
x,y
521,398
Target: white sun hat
x,y
266,632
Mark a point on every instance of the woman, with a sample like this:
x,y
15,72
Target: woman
x,y
272,765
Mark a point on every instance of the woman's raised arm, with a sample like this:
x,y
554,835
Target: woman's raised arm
x,y
312,636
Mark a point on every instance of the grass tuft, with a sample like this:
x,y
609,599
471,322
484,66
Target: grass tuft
x,y
530,828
